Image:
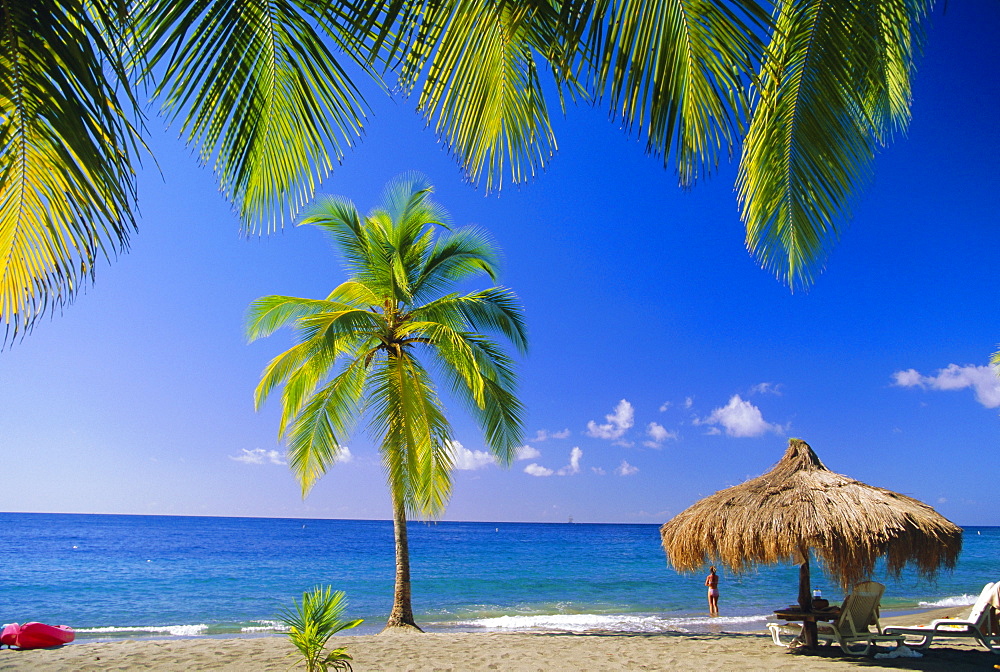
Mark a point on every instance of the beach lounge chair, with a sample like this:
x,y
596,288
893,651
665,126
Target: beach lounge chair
x,y
980,624
852,628
858,614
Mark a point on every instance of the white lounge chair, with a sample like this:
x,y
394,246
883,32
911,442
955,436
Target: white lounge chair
x,y
851,629
980,624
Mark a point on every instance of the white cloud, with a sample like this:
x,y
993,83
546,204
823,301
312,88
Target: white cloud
x,y
740,419
569,470
688,402
258,456
766,388
344,455
664,406
619,422
598,471
908,378
544,434
574,463
658,433
537,470
469,460
982,379
626,469
526,452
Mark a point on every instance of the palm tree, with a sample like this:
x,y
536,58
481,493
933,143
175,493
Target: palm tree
x,y
362,353
806,90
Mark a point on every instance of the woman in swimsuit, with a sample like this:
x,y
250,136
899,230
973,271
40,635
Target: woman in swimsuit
x,y
712,581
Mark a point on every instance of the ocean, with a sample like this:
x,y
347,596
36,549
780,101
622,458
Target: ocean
x,y
112,576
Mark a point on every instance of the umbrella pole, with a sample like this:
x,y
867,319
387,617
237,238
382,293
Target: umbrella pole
x,y
805,592
809,634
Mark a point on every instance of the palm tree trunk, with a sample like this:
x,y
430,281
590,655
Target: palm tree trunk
x,y
401,615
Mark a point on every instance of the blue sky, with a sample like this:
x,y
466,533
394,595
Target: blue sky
x,y
664,364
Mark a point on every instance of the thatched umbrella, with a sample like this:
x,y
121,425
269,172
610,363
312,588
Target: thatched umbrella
x,y
801,505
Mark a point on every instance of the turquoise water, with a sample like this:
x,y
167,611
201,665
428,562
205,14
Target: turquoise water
x,y
156,576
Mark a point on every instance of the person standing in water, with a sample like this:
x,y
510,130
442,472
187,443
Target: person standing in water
x,y
712,581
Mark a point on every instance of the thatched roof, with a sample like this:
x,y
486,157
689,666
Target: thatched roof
x,y
801,504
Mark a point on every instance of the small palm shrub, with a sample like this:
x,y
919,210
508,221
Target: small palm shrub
x,y
313,622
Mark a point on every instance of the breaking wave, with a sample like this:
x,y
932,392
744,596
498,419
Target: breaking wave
x,y
143,630
954,601
606,622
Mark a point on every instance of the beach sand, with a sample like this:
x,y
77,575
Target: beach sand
x,y
508,652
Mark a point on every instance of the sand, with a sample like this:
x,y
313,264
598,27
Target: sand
x,y
509,652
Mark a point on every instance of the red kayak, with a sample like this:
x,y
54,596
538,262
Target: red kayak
x,y
36,635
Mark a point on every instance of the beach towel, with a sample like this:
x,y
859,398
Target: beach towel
x,y
901,651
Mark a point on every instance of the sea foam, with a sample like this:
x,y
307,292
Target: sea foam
x,y
607,622
264,626
173,630
954,601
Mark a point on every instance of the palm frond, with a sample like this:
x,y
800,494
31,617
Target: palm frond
x,y
832,84
312,437
462,254
67,184
901,34
406,410
339,219
354,293
259,94
270,313
281,367
406,220
455,350
326,334
496,309
332,337
302,382
474,64
672,70
495,405
346,326
502,418
406,200
482,375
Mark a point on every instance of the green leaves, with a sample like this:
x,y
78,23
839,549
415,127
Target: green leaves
x,y
675,72
312,622
360,350
407,414
66,146
263,90
833,86
259,93
830,87
480,86
312,433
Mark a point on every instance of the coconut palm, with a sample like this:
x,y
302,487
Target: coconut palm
x,y
270,93
363,351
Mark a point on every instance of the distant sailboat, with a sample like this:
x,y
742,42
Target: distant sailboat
x,y
571,519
